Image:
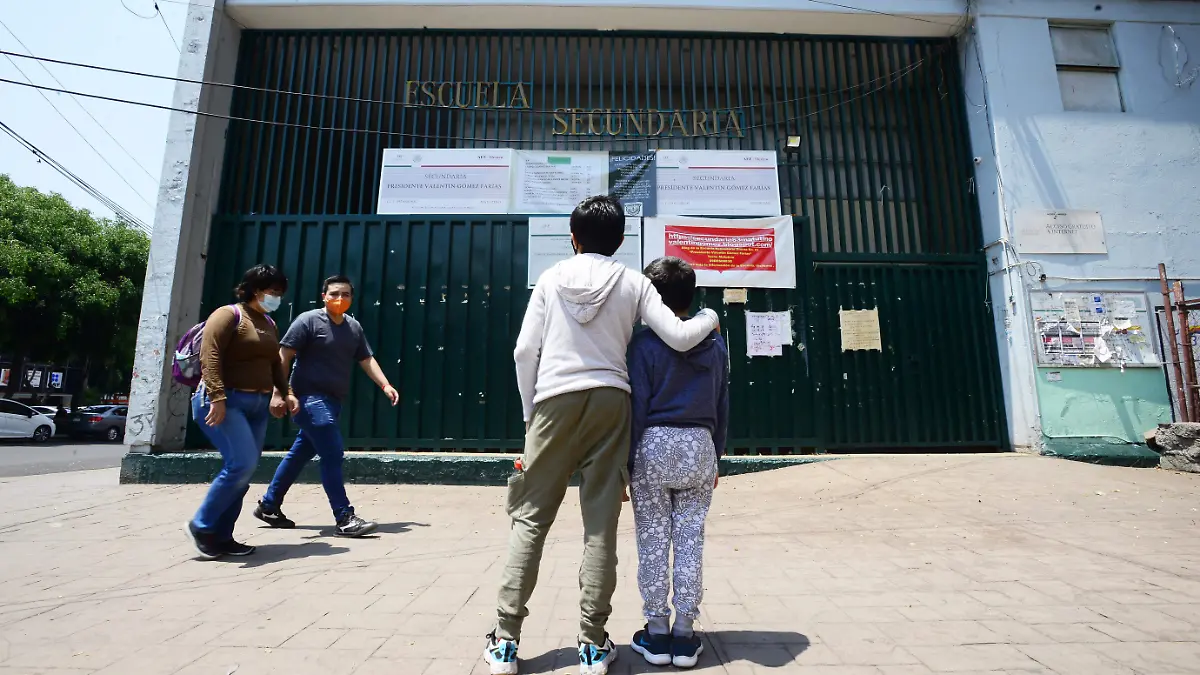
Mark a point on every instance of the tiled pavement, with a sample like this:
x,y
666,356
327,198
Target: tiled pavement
x,y
897,565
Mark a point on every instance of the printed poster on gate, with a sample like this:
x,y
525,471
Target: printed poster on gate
x,y
718,183
432,181
737,253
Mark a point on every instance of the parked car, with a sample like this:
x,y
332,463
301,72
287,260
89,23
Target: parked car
x,y
46,410
107,421
18,420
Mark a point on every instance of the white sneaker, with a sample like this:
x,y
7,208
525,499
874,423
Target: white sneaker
x,y
501,655
595,660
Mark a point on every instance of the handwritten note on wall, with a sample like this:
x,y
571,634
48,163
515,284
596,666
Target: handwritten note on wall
x,y
767,332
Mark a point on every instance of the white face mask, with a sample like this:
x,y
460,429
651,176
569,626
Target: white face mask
x,y
271,302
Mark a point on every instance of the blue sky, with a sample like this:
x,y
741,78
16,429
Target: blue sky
x,y
101,32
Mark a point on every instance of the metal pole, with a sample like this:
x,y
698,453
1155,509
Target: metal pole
x,y
1173,354
1185,342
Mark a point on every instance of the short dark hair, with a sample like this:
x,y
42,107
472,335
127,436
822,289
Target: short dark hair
x,y
260,278
337,279
675,281
598,224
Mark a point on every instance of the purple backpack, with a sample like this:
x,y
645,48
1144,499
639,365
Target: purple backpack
x,y
186,365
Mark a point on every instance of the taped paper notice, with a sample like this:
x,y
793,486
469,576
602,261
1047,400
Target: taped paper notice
x,y
860,330
735,296
762,335
1071,312
781,322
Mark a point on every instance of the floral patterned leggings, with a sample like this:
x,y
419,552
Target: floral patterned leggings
x,y
672,488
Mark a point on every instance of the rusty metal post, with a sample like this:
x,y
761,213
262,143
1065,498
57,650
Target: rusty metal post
x,y
1189,359
1173,355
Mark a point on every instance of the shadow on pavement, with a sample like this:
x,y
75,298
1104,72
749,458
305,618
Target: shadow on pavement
x,y
384,528
269,554
552,661
768,649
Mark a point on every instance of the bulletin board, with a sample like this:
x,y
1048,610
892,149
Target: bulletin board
x,y
1097,329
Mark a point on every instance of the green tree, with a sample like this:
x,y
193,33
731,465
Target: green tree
x,y
70,284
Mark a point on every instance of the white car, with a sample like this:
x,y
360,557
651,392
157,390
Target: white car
x,y
18,420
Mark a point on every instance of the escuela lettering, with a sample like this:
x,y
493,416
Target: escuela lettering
x,y
576,121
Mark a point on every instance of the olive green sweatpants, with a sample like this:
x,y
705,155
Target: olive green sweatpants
x,y
585,431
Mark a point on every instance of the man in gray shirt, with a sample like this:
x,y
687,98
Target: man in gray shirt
x,y
326,344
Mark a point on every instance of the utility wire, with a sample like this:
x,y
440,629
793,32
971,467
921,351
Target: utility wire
x,y
74,128
130,10
297,125
77,102
121,212
435,106
164,23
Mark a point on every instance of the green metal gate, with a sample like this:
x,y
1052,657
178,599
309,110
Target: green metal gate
x,y
880,183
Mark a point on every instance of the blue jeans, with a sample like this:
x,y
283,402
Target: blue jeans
x,y
240,439
318,436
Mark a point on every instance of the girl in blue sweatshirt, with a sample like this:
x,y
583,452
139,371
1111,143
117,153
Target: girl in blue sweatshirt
x,y
680,413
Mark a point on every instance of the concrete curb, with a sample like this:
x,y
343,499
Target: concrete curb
x,y
387,468
1099,451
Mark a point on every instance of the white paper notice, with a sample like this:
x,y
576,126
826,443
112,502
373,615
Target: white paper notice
x,y
1071,312
455,182
762,335
555,182
781,323
718,183
550,242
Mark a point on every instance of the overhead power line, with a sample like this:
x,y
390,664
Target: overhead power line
x,y
295,125
79,133
164,23
121,212
77,102
435,106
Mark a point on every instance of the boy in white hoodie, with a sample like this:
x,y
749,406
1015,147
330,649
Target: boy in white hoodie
x,y
574,385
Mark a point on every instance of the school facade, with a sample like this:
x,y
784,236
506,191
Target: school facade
x,y
903,131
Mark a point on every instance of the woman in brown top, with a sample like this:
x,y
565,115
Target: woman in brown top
x,y
240,367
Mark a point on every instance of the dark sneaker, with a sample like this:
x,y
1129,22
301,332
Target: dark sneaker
x,y
595,660
656,649
686,651
237,548
352,526
500,655
273,517
204,543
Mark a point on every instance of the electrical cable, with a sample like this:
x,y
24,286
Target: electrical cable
x,y
164,23
81,106
128,9
434,106
121,212
296,125
75,128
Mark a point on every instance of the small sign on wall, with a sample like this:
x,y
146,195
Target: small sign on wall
x,y
1060,231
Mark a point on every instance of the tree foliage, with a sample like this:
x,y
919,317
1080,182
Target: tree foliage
x,y
70,283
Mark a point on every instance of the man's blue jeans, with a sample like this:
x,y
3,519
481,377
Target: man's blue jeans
x,y
318,436
239,438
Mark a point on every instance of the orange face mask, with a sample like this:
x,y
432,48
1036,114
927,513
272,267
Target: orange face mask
x,y
337,305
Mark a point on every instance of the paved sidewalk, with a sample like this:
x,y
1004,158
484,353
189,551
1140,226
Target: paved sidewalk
x,y
896,565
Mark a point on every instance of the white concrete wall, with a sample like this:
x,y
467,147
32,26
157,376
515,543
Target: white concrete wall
x,y
1140,168
881,17
158,407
